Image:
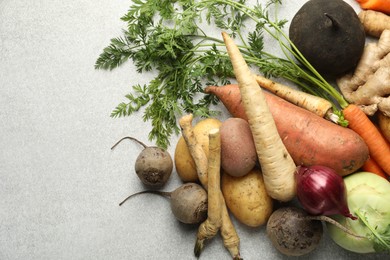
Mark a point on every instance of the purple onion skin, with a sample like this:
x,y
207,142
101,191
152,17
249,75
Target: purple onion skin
x,y
321,191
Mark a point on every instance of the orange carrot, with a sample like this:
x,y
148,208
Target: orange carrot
x,y
376,5
377,145
372,166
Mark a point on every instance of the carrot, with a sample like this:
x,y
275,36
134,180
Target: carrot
x,y
310,139
302,99
371,166
277,164
376,5
374,22
377,145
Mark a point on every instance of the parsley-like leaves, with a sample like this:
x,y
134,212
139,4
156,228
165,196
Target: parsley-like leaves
x,y
169,37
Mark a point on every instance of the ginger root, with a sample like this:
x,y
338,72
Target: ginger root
x,y
369,85
374,23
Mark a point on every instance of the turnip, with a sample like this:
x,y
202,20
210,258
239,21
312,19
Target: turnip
x,y
188,202
153,165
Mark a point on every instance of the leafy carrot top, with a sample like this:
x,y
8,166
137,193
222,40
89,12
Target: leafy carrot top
x,y
169,38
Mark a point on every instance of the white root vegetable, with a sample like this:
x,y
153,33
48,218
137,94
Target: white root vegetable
x,y
276,163
315,104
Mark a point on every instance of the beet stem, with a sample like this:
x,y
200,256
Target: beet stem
x,y
161,193
334,222
131,138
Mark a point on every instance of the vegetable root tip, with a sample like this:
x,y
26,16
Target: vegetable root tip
x,y
198,248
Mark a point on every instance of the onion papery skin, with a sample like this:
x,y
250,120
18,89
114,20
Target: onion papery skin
x,y
321,191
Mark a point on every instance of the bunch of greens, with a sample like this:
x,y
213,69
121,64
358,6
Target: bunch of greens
x,y
169,37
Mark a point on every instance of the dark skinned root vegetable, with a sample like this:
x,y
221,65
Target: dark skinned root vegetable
x,y
329,34
153,165
294,233
188,202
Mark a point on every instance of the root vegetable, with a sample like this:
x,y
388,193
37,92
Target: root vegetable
x,y
247,198
377,5
315,104
229,235
188,202
210,227
238,152
379,148
292,233
153,165
369,85
329,35
384,125
372,166
310,139
184,163
295,233
276,163
230,97
374,22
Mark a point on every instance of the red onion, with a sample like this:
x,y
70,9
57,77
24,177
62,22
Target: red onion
x,y
321,191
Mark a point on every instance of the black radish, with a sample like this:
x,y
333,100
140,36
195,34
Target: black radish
x,y
329,34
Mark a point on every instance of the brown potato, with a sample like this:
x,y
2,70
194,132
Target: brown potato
x,y
185,165
238,151
247,198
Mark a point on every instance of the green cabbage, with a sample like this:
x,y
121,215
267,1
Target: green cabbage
x,y
368,198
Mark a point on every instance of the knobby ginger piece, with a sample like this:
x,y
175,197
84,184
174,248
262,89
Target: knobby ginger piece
x,y
369,85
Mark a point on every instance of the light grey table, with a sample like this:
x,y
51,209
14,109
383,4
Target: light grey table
x,y
60,184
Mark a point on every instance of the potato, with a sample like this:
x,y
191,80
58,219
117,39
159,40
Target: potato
x,y
185,165
238,151
247,198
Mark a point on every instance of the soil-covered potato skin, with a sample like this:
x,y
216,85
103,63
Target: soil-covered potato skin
x,y
329,34
291,234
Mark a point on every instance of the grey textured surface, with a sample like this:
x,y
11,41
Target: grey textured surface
x,y
60,183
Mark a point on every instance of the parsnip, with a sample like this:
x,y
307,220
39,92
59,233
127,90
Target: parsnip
x,y
276,163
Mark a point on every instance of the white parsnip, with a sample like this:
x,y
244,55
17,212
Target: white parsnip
x,y
210,227
315,104
276,163
196,150
208,170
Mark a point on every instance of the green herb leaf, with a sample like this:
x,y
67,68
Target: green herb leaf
x,y
169,37
380,234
